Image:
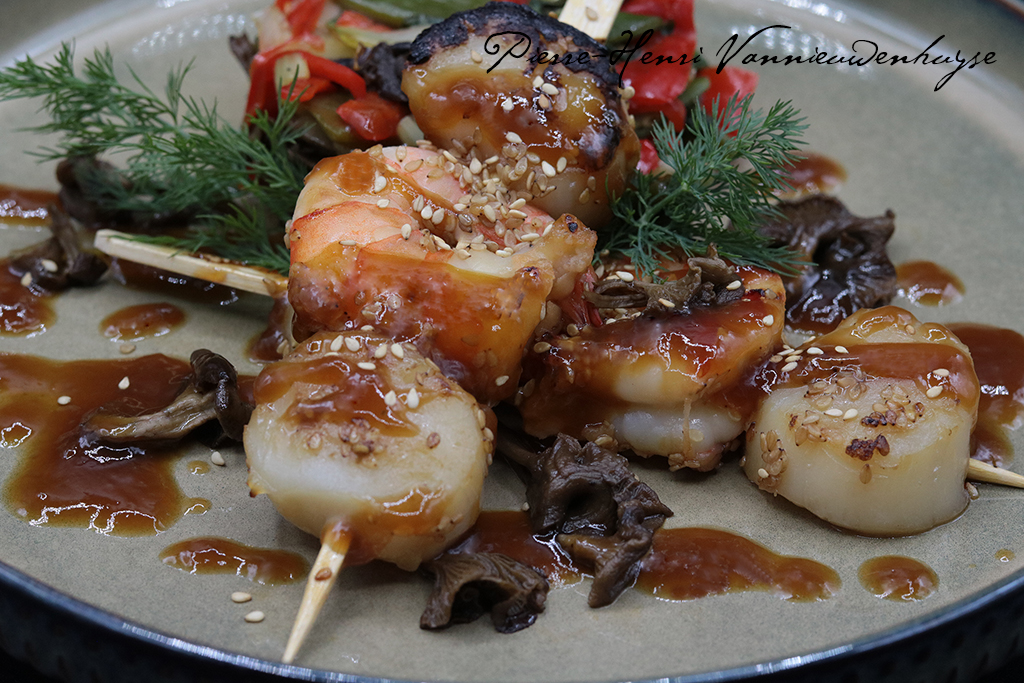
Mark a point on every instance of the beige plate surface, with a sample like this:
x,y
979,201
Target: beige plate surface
x,y
949,163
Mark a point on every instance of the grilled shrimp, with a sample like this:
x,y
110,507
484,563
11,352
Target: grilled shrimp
x,y
355,432
560,130
665,382
399,239
869,426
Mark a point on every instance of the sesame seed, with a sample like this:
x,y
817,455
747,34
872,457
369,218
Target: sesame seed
x,y
26,279
585,196
48,265
841,349
390,398
762,473
793,358
427,213
814,351
406,231
240,597
572,329
414,165
126,348
529,237
367,328
217,459
666,303
911,330
383,203
489,213
850,414
336,343
592,14
397,351
507,105
381,351
543,102
933,392
63,400
366,365
940,372
412,399
501,380
628,92
768,320
834,412
487,434
124,383
476,56
625,275
351,343
537,82
549,89
734,285
255,617
548,169
541,347
562,164
789,366
437,217
776,358
348,243
380,183
401,152
513,137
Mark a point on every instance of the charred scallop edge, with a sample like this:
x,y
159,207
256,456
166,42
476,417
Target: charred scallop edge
x,y
497,17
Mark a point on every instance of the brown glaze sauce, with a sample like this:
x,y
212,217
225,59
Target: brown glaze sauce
x,y
1004,555
897,578
125,491
198,467
346,393
144,321
211,555
266,347
928,284
508,532
814,174
998,356
28,207
686,564
138,276
23,311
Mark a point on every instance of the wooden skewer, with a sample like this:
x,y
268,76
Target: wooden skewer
x,y
247,278
978,470
593,17
321,579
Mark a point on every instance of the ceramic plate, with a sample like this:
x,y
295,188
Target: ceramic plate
x,y
948,162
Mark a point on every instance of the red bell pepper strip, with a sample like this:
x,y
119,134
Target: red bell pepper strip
x,y
371,117
356,20
302,15
649,159
263,90
658,86
305,89
732,81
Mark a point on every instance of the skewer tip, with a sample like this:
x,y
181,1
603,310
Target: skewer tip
x,y
318,586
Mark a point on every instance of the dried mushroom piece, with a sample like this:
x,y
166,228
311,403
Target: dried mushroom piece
x,y
849,267
61,261
704,284
210,394
468,585
381,66
604,516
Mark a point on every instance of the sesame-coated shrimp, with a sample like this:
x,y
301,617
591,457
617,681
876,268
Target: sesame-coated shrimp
x,y
427,249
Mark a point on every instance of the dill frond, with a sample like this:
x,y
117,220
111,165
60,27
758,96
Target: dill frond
x,y
726,167
176,154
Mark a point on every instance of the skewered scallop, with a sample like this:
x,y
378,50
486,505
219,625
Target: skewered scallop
x,y
869,426
380,444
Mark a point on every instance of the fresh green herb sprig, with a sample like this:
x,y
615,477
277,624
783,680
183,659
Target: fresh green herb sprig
x,y
177,154
726,168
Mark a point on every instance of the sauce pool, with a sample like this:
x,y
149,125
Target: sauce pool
x,y
814,174
28,207
928,284
896,578
144,321
23,311
60,481
998,356
212,555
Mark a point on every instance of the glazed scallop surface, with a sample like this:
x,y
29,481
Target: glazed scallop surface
x,y
355,431
868,427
